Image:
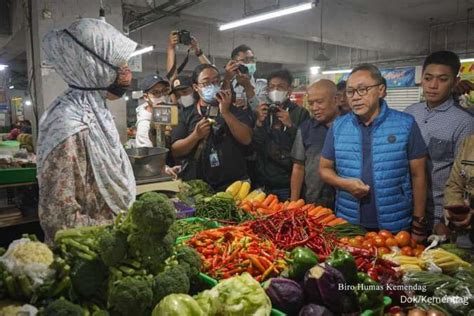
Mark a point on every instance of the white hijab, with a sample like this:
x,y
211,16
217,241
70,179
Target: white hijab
x,y
77,110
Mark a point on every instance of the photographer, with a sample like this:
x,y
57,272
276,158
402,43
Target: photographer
x,y
239,76
211,134
277,123
185,38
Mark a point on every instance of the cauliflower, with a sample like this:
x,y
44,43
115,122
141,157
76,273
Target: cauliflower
x,y
31,258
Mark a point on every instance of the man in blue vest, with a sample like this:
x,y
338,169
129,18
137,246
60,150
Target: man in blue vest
x,y
375,158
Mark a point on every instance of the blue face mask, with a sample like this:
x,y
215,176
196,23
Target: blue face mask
x,y
252,68
208,93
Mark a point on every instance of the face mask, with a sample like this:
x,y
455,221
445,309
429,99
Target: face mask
x,y
208,93
252,68
278,96
161,100
117,90
186,100
114,88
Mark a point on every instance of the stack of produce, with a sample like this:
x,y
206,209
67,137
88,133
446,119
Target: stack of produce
x,y
385,242
126,268
191,226
454,294
239,295
221,207
30,272
192,191
233,250
295,227
320,292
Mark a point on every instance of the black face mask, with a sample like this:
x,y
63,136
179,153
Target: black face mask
x,y
114,88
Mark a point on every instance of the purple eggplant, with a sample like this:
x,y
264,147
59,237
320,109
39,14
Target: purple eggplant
x,y
286,295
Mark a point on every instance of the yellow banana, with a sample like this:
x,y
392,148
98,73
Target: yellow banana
x,y
260,197
251,195
243,191
234,188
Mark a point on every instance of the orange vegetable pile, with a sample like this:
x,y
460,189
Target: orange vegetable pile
x,y
232,250
384,241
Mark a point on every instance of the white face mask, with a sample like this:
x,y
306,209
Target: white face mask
x,y
186,100
278,96
160,100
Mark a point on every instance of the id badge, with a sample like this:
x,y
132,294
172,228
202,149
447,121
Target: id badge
x,y
214,159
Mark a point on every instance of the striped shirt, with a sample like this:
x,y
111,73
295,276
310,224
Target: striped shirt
x,y
443,129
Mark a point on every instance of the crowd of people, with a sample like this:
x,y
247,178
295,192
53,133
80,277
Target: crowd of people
x,y
375,166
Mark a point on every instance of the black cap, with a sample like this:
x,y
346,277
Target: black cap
x,y
181,82
151,80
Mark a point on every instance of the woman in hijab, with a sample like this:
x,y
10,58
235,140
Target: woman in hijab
x,y
85,177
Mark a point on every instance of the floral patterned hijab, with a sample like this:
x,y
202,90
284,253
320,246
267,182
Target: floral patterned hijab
x,y
77,110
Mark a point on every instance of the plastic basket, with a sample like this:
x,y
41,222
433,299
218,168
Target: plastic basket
x,y
184,210
17,175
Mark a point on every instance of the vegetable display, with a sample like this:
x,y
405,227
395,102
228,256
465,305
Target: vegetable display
x,y
228,251
292,228
301,260
221,207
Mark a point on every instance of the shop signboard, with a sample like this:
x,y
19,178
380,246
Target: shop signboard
x,y
396,77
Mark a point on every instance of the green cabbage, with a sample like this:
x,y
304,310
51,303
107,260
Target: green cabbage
x,y
178,305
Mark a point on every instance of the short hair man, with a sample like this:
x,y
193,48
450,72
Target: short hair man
x,y
277,123
375,158
341,98
306,152
156,90
444,125
248,90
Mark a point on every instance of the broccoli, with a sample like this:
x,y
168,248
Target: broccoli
x,y
112,247
131,296
189,259
150,250
62,307
152,213
172,280
87,277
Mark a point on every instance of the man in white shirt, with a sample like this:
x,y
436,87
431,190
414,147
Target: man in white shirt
x,y
156,90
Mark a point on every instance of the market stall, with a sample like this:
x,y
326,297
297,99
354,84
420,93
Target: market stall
x,y
233,253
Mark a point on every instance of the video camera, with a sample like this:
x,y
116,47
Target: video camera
x,y
273,108
243,69
184,37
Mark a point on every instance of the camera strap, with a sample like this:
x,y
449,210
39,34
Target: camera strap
x,y
170,73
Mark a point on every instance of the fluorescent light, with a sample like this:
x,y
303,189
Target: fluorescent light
x,y
126,98
467,60
267,16
142,51
11,87
3,67
28,102
314,70
339,71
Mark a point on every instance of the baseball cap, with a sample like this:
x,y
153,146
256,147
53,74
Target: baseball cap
x,y
151,80
181,82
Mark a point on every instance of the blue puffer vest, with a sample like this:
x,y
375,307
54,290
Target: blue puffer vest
x,y
391,172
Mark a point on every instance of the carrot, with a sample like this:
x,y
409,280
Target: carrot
x,y
315,210
337,221
269,199
278,207
246,207
307,207
285,205
299,203
273,204
327,219
257,204
263,211
323,212
257,263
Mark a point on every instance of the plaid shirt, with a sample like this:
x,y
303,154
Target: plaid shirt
x,y
443,129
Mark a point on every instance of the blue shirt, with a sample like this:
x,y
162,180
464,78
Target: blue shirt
x,y
368,210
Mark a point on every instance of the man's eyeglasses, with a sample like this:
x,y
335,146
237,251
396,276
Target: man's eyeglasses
x,y
360,91
160,93
248,60
206,84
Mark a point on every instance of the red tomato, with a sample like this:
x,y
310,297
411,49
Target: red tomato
x,y
412,243
344,240
379,241
385,233
403,239
407,251
417,252
368,244
371,235
355,243
359,238
383,250
391,242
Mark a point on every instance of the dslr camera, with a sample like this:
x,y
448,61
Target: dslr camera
x,y
273,108
184,37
